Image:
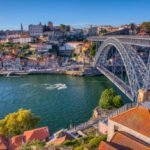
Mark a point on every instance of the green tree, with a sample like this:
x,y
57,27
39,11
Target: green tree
x,y
18,122
146,27
117,101
36,143
106,99
103,31
26,46
90,142
93,144
92,50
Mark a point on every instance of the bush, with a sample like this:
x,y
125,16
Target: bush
x,y
79,148
93,144
117,101
18,122
106,99
73,143
146,27
92,50
28,145
109,99
81,143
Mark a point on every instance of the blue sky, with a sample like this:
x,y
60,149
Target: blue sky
x,y
74,12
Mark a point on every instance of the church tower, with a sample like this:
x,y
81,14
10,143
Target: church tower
x,y
21,28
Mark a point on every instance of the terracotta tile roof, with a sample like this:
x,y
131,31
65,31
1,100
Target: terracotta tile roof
x,y
135,119
106,146
3,143
142,32
62,139
16,141
124,141
37,134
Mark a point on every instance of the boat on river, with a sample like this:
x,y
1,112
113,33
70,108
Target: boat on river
x,y
60,86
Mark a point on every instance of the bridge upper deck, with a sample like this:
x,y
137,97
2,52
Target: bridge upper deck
x,y
132,40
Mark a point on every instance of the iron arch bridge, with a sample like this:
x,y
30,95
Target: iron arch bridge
x,y
137,71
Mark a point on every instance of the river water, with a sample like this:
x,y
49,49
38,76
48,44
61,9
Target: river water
x,y
57,99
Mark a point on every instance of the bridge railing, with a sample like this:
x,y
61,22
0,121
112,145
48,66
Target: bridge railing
x,y
118,82
90,123
132,40
120,110
147,78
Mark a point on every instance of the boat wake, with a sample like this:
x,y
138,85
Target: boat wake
x,y
58,86
26,84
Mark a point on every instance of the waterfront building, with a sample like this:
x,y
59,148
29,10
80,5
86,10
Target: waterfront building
x,y
124,141
32,64
23,39
66,49
12,36
41,134
42,48
55,34
53,61
130,130
43,64
18,63
36,30
60,137
9,62
90,31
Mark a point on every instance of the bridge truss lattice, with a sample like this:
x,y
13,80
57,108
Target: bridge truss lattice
x,y
138,73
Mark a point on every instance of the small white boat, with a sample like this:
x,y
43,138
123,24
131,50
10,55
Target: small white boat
x,y
60,86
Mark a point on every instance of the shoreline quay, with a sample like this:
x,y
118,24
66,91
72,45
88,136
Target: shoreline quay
x,y
87,72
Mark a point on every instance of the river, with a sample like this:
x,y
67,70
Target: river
x,y
57,99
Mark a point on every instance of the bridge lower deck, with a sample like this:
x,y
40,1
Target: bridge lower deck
x,y
118,82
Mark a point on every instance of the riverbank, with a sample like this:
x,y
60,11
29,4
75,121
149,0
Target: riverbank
x,y
89,71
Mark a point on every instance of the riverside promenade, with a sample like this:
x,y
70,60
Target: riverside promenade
x,y
76,70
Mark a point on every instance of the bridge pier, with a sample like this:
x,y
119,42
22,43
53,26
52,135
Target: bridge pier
x,y
143,95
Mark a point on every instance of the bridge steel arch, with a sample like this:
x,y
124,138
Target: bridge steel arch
x,y
135,68
147,78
